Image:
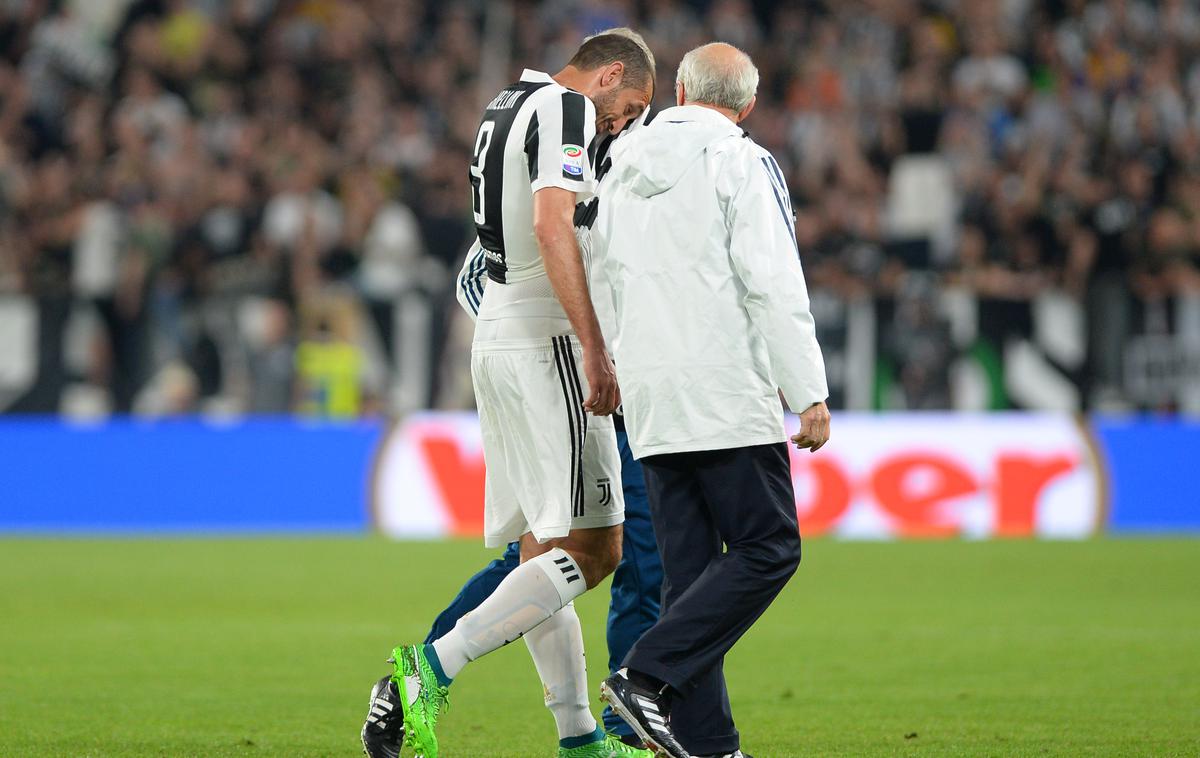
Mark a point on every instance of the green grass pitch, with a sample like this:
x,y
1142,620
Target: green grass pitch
x,y
247,647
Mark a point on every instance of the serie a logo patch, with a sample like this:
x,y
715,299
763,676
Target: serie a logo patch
x,y
573,160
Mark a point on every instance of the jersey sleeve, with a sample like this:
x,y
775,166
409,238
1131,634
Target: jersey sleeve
x,y
558,144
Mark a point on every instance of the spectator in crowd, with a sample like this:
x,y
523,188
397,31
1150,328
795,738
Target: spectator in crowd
x,y
968,178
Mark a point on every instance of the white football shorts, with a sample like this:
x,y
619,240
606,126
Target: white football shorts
x,y
551,466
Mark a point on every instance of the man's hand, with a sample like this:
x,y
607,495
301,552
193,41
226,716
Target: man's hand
x,y
814,428
604,395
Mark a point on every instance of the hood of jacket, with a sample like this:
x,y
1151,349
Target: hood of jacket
x,y
654,159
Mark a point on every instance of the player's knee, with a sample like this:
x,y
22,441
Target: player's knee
x,y
601,566
612,558
601,559
593,569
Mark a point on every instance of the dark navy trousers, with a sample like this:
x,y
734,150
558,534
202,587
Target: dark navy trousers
x,y
636,586
729,541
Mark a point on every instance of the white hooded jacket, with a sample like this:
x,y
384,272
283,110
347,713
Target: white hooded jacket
x,y
696,240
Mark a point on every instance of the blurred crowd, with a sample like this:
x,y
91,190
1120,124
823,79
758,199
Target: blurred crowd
x,y
259,205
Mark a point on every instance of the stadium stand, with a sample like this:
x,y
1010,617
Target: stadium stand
x,y
257,206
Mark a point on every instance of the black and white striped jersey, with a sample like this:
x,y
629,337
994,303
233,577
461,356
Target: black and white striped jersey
x,y
534,134
473,276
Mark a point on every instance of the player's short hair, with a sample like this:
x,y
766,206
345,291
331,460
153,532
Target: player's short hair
x,y
612,45
625,31
725,84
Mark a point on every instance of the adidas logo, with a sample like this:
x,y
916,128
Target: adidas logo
x,y
654,718
379,710
568,568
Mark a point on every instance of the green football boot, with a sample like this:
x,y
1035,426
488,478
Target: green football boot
x,y
621,750
609,747
424,698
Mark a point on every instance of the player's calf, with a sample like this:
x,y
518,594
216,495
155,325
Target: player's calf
x,y
531,594
596,552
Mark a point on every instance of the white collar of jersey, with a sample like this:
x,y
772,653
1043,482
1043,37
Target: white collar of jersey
x,y
529,75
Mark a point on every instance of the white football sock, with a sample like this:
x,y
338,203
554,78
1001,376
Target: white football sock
x,y
557,650
532,593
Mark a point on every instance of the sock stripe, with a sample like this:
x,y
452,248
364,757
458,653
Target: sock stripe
x,y
596,735
435,663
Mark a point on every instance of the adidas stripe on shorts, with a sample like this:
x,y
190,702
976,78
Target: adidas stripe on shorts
x,y
551,466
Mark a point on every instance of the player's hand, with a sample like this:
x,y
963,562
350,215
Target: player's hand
x,y
604,395
814,428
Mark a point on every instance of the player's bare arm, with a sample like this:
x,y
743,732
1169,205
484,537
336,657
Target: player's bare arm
x,y
553,226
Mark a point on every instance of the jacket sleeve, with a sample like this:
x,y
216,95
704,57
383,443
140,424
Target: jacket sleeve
x,y
471,280
765,258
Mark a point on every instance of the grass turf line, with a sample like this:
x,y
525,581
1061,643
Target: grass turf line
x,y
247,647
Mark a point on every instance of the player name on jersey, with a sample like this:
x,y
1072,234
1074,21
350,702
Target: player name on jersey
x,y
505,100
535,133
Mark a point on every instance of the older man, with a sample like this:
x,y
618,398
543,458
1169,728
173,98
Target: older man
x,y
712,322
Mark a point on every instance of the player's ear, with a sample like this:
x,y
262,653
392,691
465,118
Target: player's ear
x,y
680,94
746,111
612,74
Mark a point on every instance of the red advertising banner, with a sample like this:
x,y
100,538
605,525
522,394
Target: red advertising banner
x,y
880,477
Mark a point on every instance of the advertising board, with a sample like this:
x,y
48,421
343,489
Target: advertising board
x,y
907,475
880,477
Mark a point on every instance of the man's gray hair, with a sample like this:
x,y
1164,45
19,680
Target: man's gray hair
x,y
724,81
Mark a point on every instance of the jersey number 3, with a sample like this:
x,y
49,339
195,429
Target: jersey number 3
x,y
482,142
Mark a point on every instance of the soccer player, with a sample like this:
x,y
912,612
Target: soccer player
x,y
545,387
637,582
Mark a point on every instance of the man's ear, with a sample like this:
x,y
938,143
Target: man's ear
x,y
612,74
746,111
680,94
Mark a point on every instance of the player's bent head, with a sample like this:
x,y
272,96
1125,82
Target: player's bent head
x,y
626,32
622,46
623,81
